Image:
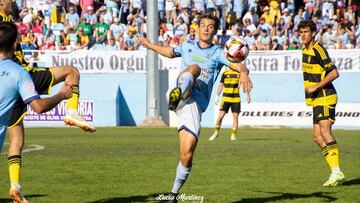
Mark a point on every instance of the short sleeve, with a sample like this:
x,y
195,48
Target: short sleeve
x,y
26,87
325,61
222,80
220,57
178,50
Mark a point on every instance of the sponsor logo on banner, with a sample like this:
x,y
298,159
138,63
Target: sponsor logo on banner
x,y
96,61
86,110
290,114
107,62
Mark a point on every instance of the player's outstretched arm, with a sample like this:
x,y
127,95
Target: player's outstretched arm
x,y
46,104
165,51
244,80
328,79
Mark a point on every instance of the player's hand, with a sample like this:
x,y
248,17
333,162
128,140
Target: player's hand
x,y
66,91
144,42
217,100
310,89
245,83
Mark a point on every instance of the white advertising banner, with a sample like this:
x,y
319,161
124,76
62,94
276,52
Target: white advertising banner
x,y
94,61
346,60
289,114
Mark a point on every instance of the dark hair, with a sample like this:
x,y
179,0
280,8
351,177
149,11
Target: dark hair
x,y
211,17
307,23
8,36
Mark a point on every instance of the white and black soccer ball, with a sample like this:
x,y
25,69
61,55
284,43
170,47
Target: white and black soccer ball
x,y
236,50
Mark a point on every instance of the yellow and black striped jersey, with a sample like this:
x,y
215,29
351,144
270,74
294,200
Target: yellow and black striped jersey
x,y
316,64
18,54
230,79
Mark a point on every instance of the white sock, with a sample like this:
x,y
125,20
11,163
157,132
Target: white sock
x,y
185,82
182,174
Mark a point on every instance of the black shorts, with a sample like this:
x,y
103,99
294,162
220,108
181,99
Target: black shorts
x,y
323,113
43,79
235,107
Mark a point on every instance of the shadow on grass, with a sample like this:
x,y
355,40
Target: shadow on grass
x,y
351,182
28,197
288,196
135,198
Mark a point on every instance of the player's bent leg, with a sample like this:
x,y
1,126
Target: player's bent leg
x,y
183,87
71,76
188,143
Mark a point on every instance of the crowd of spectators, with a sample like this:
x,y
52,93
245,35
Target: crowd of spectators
x,y
118,24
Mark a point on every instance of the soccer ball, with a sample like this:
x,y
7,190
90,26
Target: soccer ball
x,y
236,50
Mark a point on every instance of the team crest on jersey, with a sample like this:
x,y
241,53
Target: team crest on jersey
x,y
209,56
31,86
309,59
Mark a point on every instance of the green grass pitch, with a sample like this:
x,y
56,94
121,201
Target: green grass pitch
x,y
137,164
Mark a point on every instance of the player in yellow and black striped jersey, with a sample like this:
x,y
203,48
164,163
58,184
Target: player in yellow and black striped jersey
x,y
229,85
44,79
319,72
18,56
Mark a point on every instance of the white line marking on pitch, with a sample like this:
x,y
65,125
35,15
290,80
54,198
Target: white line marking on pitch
x,y
29,148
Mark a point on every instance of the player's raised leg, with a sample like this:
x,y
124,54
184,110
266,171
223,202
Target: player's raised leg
x,y
184,83
71,76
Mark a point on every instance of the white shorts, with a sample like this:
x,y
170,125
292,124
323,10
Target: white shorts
x,y
190,117
189,114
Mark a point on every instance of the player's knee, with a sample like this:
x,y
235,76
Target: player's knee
x,y
194,69
75,71
186,158
318,139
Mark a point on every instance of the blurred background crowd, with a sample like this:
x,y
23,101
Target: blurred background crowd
x,y
118,24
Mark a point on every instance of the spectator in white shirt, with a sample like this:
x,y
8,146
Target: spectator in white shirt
x,y
250,26
250,39
72,18
254,18
90,16
117,29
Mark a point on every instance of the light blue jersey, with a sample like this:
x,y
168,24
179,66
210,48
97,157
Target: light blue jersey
x,y
15,81
210,60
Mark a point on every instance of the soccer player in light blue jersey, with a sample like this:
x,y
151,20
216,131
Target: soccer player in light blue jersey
x,y
15,81
190,94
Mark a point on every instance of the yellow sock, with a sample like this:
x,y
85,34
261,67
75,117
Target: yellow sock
x,y
14,163
217,129
73,103
331,154
233,131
